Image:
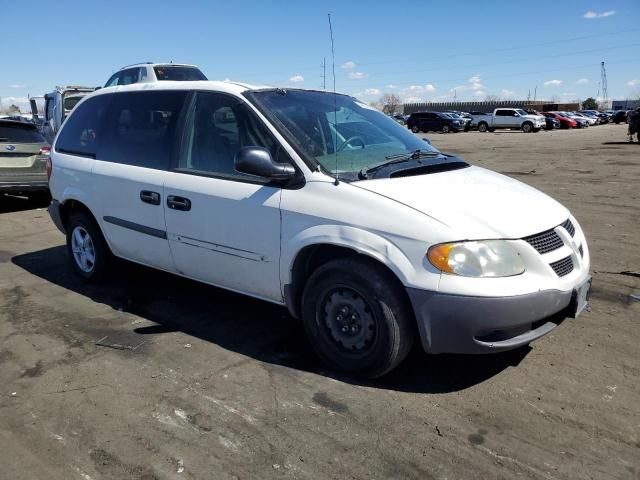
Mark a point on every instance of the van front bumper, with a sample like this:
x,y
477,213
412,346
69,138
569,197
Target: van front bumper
x,y
464,324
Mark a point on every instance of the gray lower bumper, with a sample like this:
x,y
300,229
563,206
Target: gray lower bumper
x,y
54,213
463,324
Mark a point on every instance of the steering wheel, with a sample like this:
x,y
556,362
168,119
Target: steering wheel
x,y
351,139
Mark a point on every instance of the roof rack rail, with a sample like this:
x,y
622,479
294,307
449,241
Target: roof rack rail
x,y
137,63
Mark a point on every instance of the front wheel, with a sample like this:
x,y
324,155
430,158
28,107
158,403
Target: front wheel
x,y
445,129
527,127
88,251
357,318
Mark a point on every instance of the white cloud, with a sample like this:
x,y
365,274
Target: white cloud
x,y
17,85
507,93
479,93
349,65
582,81
568,94
553,83
372,91
590,15
413,100
474,84
391,85
296,79
356,75
475,79
420,88
634,82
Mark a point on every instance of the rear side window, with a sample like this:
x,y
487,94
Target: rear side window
x,y
82,130
141,128
19,134
178,73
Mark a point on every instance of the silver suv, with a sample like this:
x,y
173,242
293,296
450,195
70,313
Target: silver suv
x,y
154,72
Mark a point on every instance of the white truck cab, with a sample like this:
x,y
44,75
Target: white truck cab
x,y
58,105
313,200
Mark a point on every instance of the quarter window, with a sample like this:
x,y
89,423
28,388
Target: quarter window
x,y
141,128
82,131
218,127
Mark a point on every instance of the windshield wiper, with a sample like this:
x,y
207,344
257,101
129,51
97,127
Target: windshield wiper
x,y
398,158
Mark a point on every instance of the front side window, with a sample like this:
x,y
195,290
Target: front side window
x,y
141,128
113,81
82,131
217,128
127,77
337,130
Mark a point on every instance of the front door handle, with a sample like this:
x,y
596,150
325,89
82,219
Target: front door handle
x,y
152,198
178,203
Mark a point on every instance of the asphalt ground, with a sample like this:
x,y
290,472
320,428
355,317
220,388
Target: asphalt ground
x,y
207,384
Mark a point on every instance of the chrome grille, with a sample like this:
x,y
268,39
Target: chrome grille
x,y
562,267
568,226
545,242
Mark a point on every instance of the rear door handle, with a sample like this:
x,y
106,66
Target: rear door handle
x,y
178,203
150,197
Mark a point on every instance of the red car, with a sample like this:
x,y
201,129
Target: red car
x,y
564,121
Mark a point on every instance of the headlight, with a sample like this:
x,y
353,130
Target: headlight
x,y
482,258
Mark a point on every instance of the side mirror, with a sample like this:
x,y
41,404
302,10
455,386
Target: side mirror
x,y
257,161
516,114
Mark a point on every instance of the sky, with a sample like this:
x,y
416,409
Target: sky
x,y
422,51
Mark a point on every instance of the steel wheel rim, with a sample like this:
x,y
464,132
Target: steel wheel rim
x,y
348,320
83,249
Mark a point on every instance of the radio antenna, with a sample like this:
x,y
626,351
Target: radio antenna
x,y
335,102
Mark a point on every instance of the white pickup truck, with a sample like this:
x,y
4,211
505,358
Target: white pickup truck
x,y
511,118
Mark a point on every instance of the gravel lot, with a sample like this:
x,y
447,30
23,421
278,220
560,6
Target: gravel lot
x,y
220,386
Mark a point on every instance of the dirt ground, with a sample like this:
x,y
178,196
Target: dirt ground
x,y
219,386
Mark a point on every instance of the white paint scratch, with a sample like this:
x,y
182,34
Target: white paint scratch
x,y
245,416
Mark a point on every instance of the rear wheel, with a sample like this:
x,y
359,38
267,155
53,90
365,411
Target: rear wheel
x,y
357,318
415,129
88,251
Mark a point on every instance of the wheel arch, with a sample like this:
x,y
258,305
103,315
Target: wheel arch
x,y
310,254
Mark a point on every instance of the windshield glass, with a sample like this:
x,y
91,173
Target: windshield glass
x,y
183,74
70,102
521,112
361,135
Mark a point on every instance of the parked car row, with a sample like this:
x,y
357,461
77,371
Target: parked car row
x,y
508,118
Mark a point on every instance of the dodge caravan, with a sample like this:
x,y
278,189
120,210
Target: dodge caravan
x,y
316,201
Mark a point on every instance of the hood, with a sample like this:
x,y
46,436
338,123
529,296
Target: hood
x,y
475,202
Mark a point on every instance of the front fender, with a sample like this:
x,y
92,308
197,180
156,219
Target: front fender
x,y
359,240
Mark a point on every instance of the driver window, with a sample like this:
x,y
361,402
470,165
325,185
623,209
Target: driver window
x,y
218,127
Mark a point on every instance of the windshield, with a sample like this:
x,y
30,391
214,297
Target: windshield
x,y
521,112
70,102
353,137
182,74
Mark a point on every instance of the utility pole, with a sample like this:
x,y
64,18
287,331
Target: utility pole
x,y
324,73
603,82
535,93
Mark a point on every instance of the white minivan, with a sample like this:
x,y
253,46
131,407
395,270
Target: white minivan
x,y
314,200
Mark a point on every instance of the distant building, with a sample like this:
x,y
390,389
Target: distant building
x,y
538,105
625,104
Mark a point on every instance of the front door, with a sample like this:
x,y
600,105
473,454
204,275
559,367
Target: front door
x,y
223,226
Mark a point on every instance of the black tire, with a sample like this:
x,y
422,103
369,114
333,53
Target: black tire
x,y
483,127
415,129
100,267
446,129
527,127
379,322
